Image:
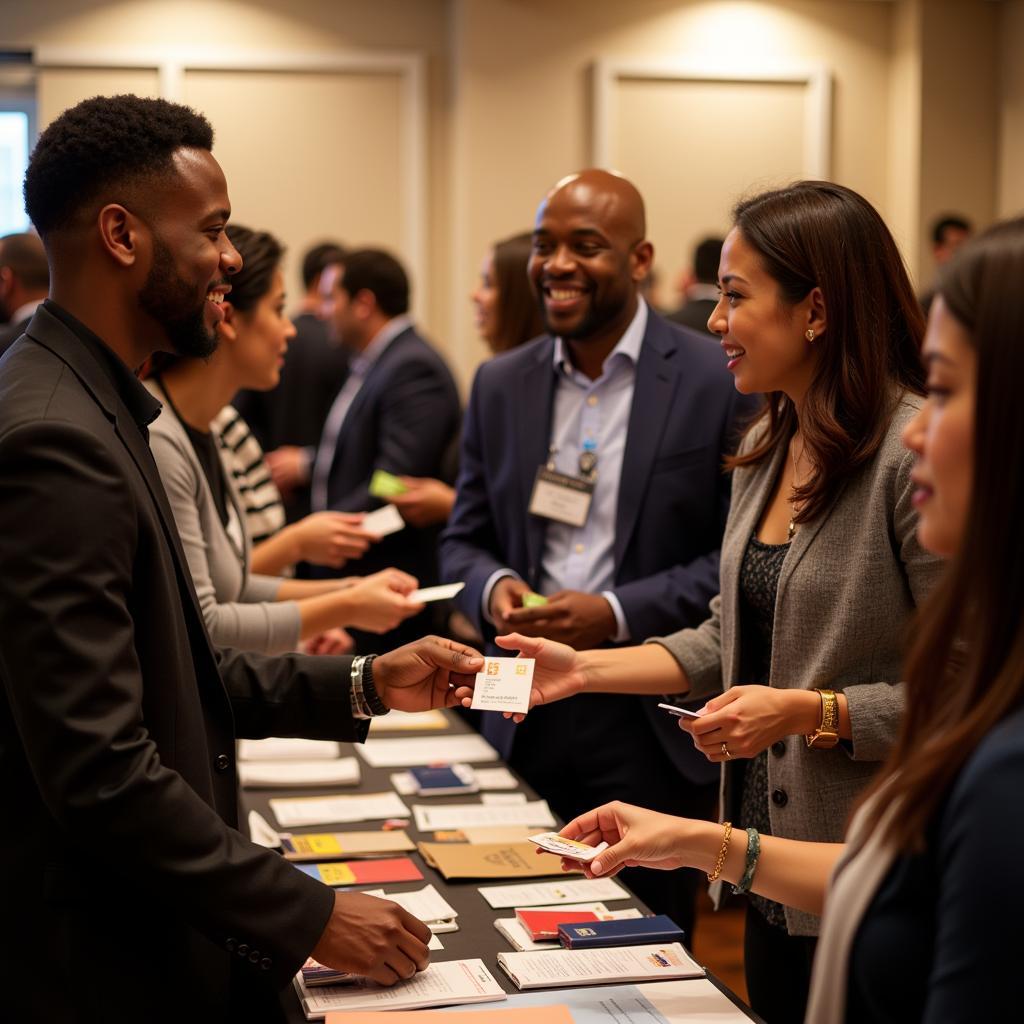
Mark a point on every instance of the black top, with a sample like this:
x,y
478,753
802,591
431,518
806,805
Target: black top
x,y
941,940
758,587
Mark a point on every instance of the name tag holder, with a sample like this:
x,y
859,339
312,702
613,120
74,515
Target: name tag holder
x,y
561,497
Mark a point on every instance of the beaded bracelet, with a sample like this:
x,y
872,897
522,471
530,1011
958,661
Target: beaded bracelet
x,y
720,863
750,865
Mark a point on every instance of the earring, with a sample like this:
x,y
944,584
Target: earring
x,y
809,334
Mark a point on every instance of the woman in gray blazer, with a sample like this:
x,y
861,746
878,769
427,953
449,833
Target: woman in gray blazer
x,y
245,609
820,565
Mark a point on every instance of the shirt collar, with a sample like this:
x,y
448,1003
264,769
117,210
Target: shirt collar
x,y
144,408
382,339
626,348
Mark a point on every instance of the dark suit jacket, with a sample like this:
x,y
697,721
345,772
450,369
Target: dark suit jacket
x,y
403,419
673,495
9,334
126,889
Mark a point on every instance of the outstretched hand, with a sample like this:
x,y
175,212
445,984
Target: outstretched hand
x,y
556,674
428,673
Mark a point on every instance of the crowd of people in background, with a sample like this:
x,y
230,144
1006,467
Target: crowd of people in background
x,y
744,502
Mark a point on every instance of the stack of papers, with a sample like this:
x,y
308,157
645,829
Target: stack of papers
x,y
288,748
296,812
363,872
585,890
519,936
344,771
432,817
562,967
443,984
406,753
343,845
426,904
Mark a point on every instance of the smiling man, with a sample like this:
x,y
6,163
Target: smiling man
x,y
126,889
591,474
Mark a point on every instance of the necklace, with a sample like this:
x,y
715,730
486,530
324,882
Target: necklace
x,y
791,529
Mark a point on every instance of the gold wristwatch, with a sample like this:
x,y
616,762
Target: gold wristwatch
x,y
826,735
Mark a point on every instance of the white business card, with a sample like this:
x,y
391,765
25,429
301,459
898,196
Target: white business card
x,y
383,521
504,685
444,592
552,842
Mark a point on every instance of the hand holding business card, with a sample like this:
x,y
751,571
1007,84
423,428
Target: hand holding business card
x,y
504,685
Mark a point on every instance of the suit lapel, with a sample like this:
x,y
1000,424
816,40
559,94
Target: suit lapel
x,y
655,385
534,411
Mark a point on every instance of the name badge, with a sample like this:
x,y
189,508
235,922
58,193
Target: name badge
x,y
563,498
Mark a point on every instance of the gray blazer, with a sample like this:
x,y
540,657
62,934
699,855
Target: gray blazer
x,y
848,586
240,609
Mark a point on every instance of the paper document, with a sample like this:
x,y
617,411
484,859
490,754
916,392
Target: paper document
x,y
328,810
562,967
541,893
426,904
495,778
409,721
383,521
502,799
496,833
445,592
261,833
405,753
531,1015
315,846
288,748
431,817
487,860
441,984
343,771
504,685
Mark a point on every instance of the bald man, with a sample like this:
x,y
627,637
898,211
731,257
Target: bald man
x,y
591,474
24,283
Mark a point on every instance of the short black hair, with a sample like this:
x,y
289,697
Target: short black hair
x,y
261,255
947,221
318,259
706,258
102,144
26,257
376,271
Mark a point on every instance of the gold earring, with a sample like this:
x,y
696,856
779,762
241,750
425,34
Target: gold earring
x,y
809,334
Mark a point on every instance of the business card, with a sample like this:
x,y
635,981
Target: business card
x,y
444,592
383,521
504,685
552,842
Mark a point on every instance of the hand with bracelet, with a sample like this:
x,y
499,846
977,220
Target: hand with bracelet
x,y
745,720
787,870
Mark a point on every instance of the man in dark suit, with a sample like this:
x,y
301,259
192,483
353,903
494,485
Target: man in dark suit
x,y
638,413
24,282
699,288
294,412
126,887
398,411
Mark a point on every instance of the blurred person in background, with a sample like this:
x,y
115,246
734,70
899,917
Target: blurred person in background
x,y
24,283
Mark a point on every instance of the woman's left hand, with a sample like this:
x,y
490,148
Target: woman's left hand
x,y
745,720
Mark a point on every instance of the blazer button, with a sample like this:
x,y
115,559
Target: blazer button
x,y
222,762
779,798
779,748
230,945
243,949
254,956
266,963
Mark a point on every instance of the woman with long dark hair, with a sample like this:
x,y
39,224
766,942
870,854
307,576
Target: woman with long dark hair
x,y
507,311
820,565
923,910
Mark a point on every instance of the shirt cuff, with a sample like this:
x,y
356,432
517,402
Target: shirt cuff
x,y
622,630
492,581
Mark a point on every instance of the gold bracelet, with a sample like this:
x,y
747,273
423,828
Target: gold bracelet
x,y
720,863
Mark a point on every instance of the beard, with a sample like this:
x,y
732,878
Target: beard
x,y
597,315
171,301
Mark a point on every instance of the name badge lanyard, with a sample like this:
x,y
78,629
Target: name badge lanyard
x,y
564,498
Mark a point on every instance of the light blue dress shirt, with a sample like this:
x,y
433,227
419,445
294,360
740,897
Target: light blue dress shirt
x,y
589,414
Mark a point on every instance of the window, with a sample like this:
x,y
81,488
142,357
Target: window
x,y
14,142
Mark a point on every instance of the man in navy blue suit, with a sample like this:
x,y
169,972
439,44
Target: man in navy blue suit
x,y
591,473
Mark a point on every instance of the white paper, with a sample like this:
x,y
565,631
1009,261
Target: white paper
x,y
496,778
383,521
288,748
424,750
343,771
434,817
426,904
445,592
404,783
330,810
261,833
565,967
504,685
441,984
502,799
409,721
540,893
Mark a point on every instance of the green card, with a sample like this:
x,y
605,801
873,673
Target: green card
x,y
532,600
386,485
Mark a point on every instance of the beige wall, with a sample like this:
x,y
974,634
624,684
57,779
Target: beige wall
x,y
916,125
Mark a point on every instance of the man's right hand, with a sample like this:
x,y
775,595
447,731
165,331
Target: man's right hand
x,y
374,938
506,594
